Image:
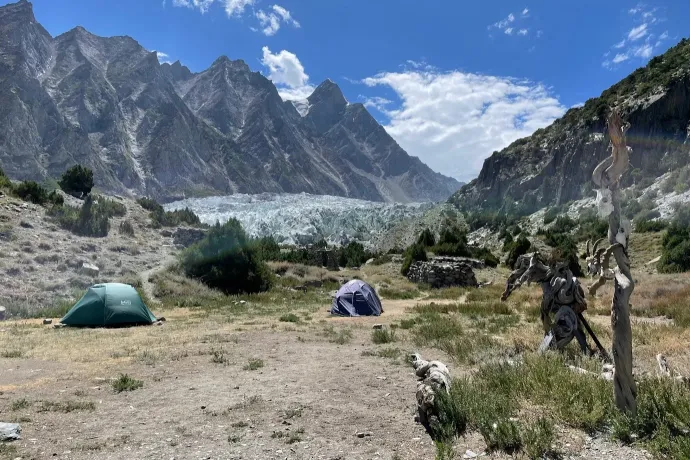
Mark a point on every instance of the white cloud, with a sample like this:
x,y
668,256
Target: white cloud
x,y
454,120
510,25
637,32
287,73
163,57
620,57
232,7
201,5
578,105
504,23
632,44
271,21
644,51
236,7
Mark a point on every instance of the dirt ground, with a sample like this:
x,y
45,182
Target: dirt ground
x,y
220,385
311,399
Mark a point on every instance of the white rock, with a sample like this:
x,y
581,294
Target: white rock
x,y
90,269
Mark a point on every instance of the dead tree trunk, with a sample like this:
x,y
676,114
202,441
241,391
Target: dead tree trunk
x,y
607,176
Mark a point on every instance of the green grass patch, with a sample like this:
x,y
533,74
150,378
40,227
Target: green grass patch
x,y
398,294
380,336
290,318
126,383
492,398
475,308
341,336
253,364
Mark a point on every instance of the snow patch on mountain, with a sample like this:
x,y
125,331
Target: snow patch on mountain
x,y
304,218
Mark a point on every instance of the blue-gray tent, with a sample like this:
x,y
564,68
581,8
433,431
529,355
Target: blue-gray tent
x,y
356,298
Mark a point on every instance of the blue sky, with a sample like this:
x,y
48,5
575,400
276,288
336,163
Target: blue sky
x,y
451,80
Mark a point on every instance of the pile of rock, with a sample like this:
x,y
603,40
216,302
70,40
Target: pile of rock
x,y
438,273
474,263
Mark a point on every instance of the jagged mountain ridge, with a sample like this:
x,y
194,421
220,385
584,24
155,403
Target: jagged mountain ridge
x,y
162,130
555,164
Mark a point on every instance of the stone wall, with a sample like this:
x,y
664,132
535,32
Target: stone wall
x,y
438,273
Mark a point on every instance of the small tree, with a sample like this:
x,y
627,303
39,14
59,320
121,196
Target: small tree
x,y
77,181
426,238
415,253
226,260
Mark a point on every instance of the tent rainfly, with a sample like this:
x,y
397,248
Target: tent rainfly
x,y
109,304
356,298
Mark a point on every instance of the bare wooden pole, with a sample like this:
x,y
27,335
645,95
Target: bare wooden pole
x,y
607,176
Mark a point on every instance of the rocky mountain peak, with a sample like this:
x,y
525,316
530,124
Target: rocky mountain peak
x,y
21,11
159,129
176,72
328,93
225,62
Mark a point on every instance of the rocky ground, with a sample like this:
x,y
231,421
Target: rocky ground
x,y
42,265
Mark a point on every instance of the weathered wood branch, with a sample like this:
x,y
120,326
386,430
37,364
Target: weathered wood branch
x,y
607,176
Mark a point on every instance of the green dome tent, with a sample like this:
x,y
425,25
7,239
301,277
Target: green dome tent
x,y
109,304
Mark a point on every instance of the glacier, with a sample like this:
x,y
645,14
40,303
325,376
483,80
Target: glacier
x,y
300,219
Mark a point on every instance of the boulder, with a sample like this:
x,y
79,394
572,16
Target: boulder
x,y
89,269
3,311
10,431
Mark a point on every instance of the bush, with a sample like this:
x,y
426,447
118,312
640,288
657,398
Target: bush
x,y
517,248
126,228
77,181
565,251
353,255
33,192
675,253
380,336
126,383
162,218
426,238
226,260
551,214
89,220
415,253
267,248
110,207
650,226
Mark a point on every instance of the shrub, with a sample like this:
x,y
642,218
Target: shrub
x,y
126,228
5,181
162,218
380,336
110,207
415,253
226,260
675,254
565,251
89,220
353,255
77,181
517,248
649,226
483,253
126,383
551,214
267,248
31,191
426,238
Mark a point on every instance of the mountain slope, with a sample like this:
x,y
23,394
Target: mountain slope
x,y
161,130
555,164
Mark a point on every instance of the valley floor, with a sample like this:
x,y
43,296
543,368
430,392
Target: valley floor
x,y
273,376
